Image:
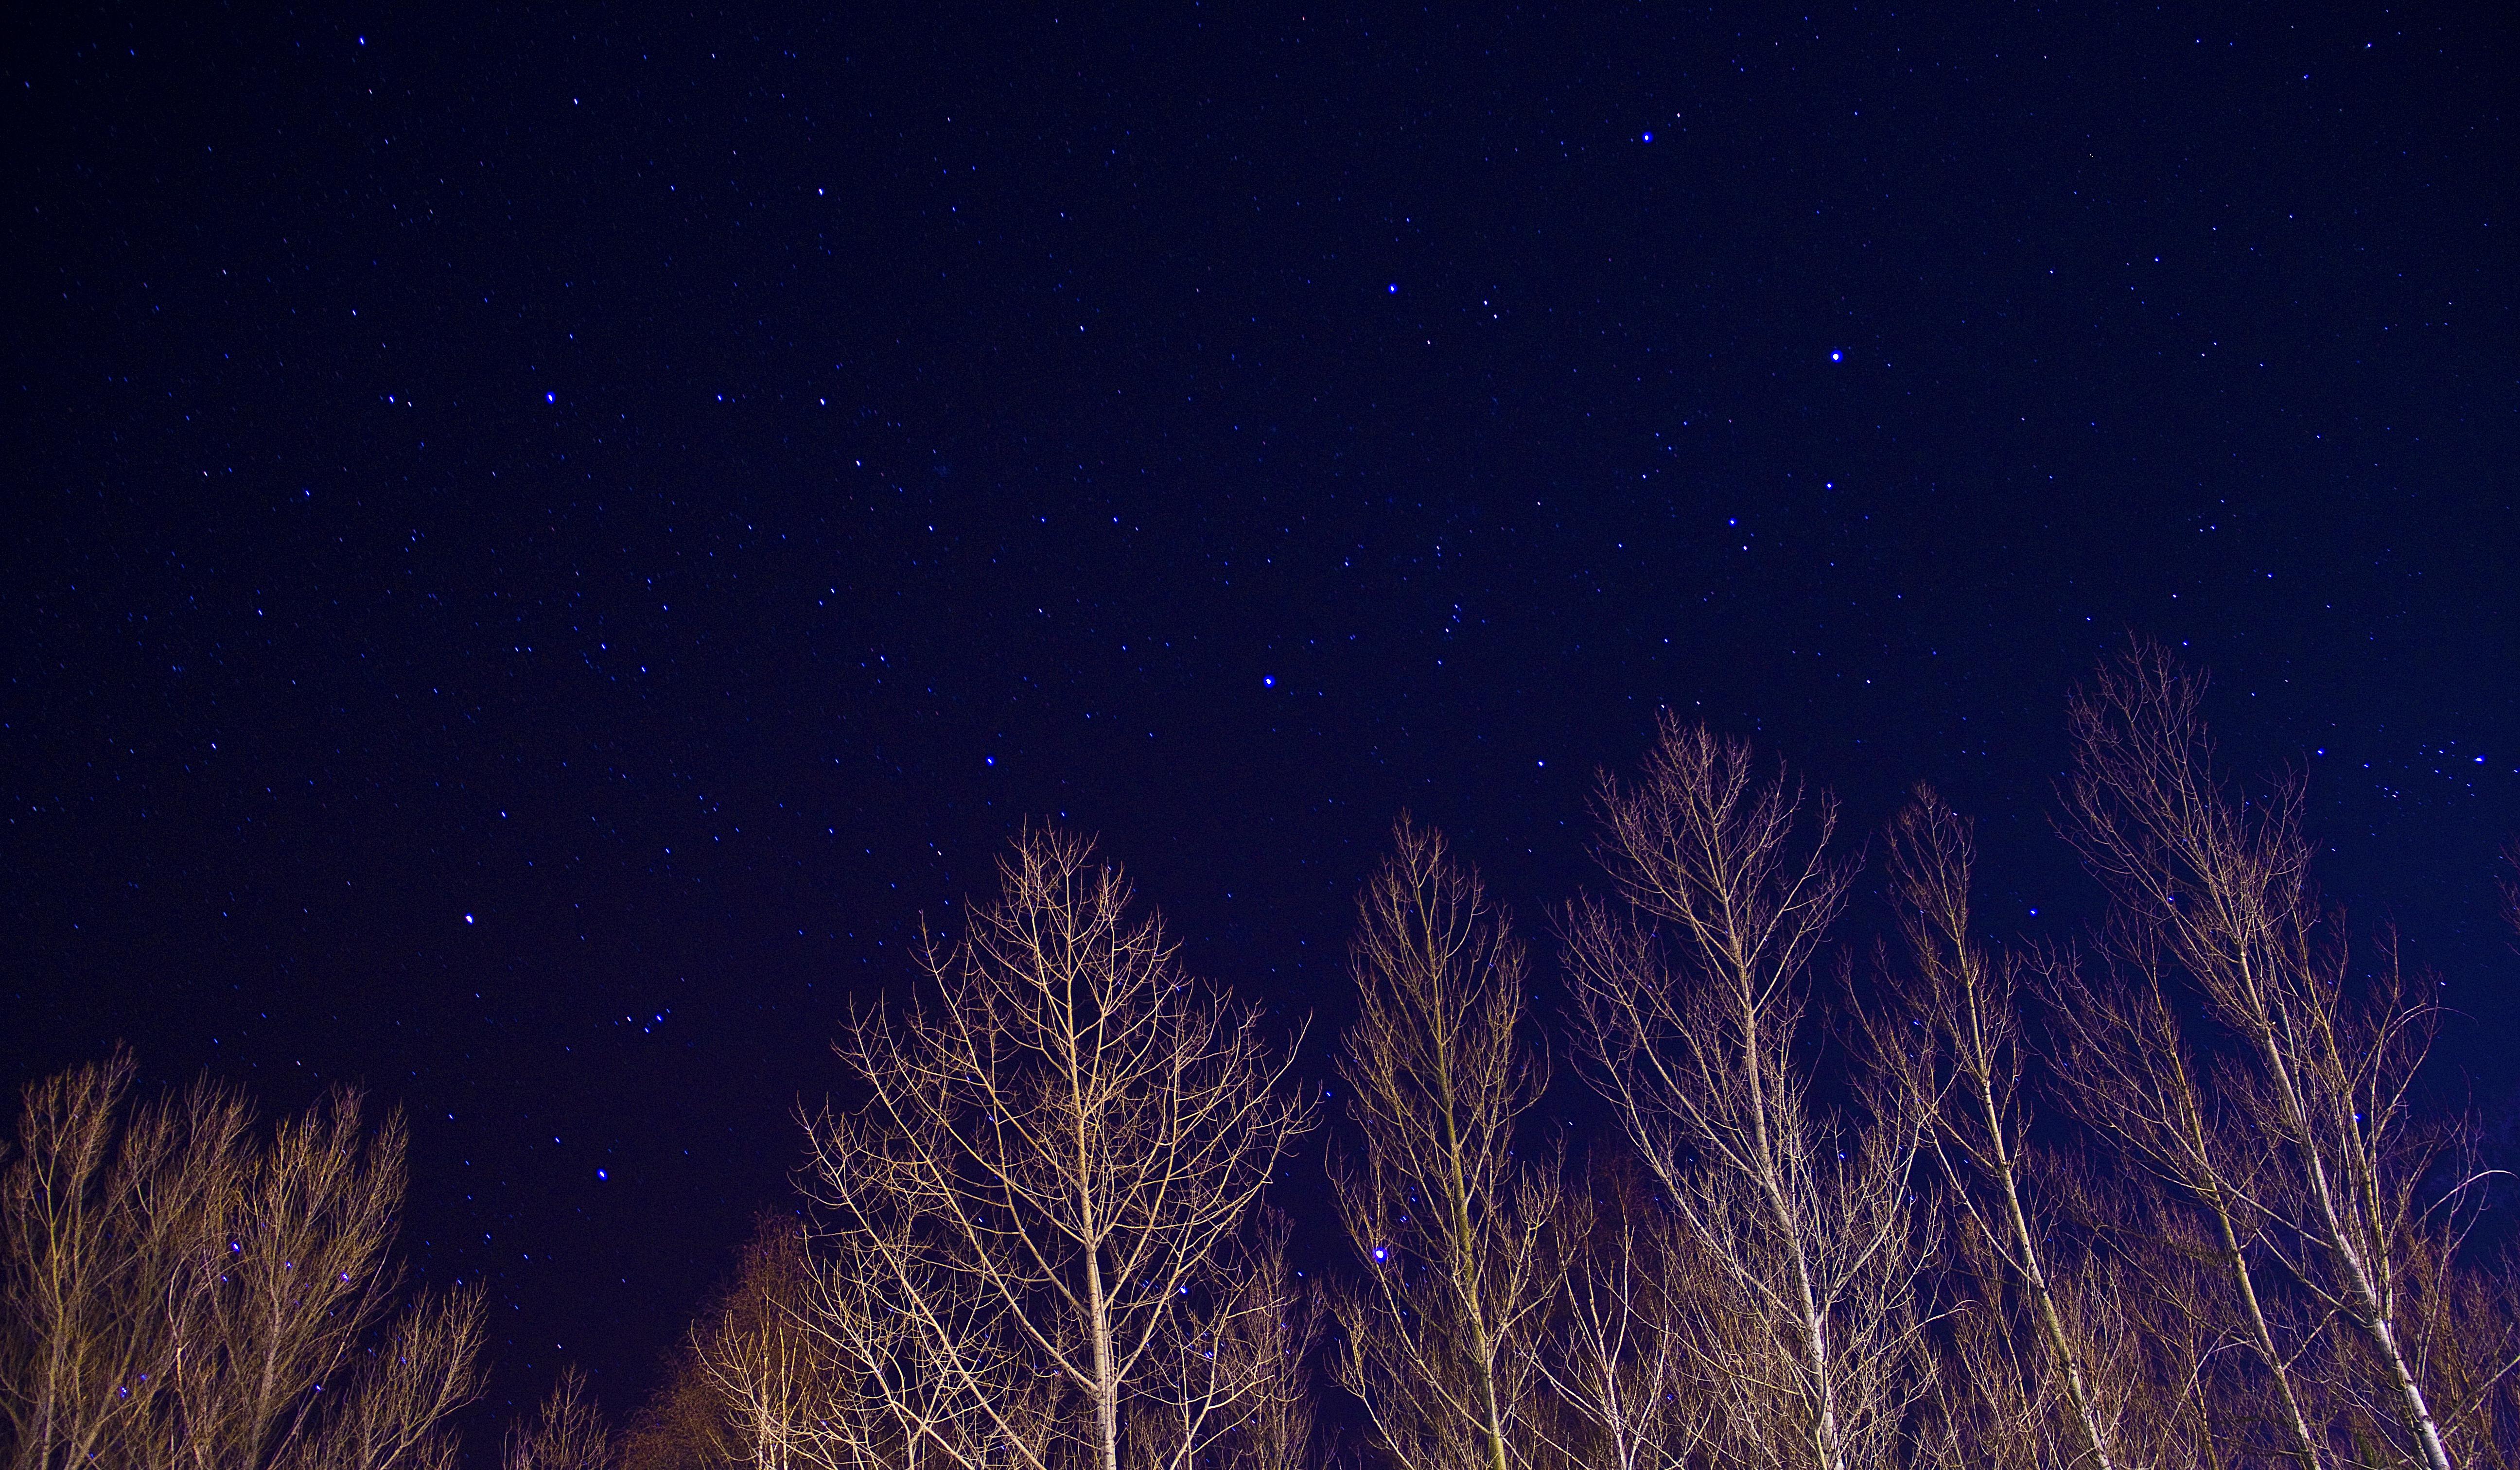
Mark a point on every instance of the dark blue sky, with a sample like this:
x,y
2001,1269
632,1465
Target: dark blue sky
x,y
542,538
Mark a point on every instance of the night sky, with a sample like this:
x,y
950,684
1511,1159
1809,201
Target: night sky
x,y
540,540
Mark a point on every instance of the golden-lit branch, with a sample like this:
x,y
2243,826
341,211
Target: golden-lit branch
x,y
1448,1225
409,1387
1238,1384
302,1275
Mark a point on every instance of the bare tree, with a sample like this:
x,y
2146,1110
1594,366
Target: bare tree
x,y
753,1372
1449,1226
2220,888
281,1309
920,1371
774,1375
1690,1002
1248,1349
405,1393
567,1433
91,1244
683,1424
1279,1433
1952,1033
2470,1334
1615,1358
1039,1212
181,1294
2133,1074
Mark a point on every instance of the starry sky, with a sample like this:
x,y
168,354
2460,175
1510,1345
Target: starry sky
x,y
542,539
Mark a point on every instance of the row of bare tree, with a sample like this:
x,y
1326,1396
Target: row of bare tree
x,y
1834,1235
2166,1198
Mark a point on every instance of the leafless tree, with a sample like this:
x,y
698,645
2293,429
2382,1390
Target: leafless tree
x,y
683,1424
1952,1034
774,1375
1036,1229
1450,1226
1282,1432
1691,997
91,1242
2219,887
2133,1073
180,1293
1989,1399
1249,1351
1614,1357
731,1396
1279,1433
567,1433
2471,1336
